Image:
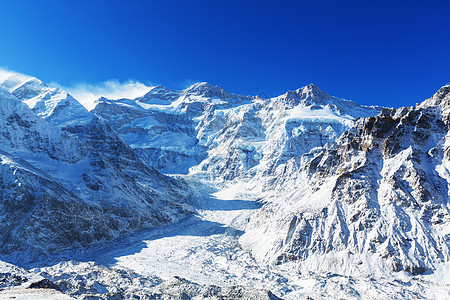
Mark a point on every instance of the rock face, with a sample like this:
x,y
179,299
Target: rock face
x,y
347,189
67,179
377,199
220,136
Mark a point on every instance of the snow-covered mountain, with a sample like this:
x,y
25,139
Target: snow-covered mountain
x,y
222,136
68,179
374,203
304,194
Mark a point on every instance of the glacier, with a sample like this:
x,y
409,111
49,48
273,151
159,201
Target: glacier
x,y
68,179
205,194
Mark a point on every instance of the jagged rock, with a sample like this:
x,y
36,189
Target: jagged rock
x,y
43,284
222,136
384,187
9,279
93,281
68,179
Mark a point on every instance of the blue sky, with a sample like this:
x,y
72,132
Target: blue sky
x,y
389,53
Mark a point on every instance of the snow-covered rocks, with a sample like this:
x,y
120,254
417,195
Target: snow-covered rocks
x,y
220,136
68,179
351,194
90,280
374,202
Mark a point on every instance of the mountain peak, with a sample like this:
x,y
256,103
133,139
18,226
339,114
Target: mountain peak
x,y
158,89
443,92
308,95
201,86
206,89
159,93
312,92
12,81
441,97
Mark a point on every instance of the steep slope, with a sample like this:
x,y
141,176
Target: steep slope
x,y
69,177
162,125
220,136
350,203
374,202
256,139
49,103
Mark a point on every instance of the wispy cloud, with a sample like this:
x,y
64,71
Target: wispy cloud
x,y
87,93
5,73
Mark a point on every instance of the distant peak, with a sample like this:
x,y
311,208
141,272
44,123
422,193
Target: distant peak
x,y
159,92
206,89
311,86
441,97
443,92
312,92
158,88
11,81
308,95
201,86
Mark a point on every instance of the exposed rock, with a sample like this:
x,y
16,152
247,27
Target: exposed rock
x,y
43,284
67,179
384,185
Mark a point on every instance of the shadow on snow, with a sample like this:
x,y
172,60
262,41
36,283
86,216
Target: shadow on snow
x,y
128,244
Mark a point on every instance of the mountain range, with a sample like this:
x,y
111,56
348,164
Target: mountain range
x,y
333,187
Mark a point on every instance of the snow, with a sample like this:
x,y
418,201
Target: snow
x,y
218,101
10,80
22,290
205,249
171,108
35,294
200,249
326,114
283,200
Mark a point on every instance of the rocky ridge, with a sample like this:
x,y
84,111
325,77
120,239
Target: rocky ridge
x,y
68,179
349,191
222,137
377,199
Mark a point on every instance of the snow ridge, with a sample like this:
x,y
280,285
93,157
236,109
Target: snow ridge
x,y
377,199
304,194
68,178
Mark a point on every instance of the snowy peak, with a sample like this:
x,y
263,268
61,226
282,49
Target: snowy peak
x,y
22,86
313,93
441,97
378,195
206,90
443,92
30,89
312,98
174,130
309,95
10,81
159,94
76,180
53,104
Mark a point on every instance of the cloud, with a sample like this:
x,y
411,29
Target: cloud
x,y
5,73
87,93
13,77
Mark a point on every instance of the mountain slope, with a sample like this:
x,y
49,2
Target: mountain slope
x,y
63,168
376,201
220,136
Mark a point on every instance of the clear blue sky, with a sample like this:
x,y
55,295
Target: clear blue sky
x,y
375,52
